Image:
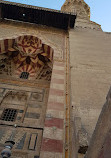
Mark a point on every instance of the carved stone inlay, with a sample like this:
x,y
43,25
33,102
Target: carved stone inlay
x,y
30,106
45,74
26,59
5,65
25,140
16,95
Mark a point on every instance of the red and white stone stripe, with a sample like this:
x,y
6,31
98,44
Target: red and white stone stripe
x,y
6,44
53,135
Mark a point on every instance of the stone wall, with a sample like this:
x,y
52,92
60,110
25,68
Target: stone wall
x,y
90,64
36,121
90,80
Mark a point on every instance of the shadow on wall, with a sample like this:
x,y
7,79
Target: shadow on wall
x,y
100,145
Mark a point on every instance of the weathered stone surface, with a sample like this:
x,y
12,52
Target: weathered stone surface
x,y
90,77
83,141
81,137
100,142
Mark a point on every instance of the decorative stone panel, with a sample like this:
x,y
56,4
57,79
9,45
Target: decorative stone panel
x,y
27,141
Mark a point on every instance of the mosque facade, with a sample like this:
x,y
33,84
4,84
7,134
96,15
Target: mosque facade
x,y
54,77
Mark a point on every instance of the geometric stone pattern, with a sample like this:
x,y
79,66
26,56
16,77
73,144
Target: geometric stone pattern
x,y
30,106
5,65
28,55
25,139
10,69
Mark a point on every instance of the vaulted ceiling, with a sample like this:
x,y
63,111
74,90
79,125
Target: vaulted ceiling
x,y
29,55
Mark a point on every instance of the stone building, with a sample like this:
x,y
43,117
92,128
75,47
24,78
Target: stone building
x,y
54,76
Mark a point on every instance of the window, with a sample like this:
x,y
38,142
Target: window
x,y
24,75
9,115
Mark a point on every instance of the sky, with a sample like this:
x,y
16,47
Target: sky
x,y
100,9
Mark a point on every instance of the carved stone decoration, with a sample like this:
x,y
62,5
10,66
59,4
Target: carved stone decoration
x,y
12,97
37,96
27,141
5,65
2,90
28,56
45,74
16,95
19,155
15,136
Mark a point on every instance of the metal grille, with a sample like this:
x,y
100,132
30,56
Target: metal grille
x,y
9,115
24,75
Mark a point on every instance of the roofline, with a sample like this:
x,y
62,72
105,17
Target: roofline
x,y
37,15
34,7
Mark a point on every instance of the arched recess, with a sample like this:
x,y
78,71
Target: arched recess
x,y
28,56
25,57
54,114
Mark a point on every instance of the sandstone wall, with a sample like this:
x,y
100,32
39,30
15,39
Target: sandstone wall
x,y
90,61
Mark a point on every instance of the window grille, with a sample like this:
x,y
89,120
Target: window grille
x,y
24,75
9,115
